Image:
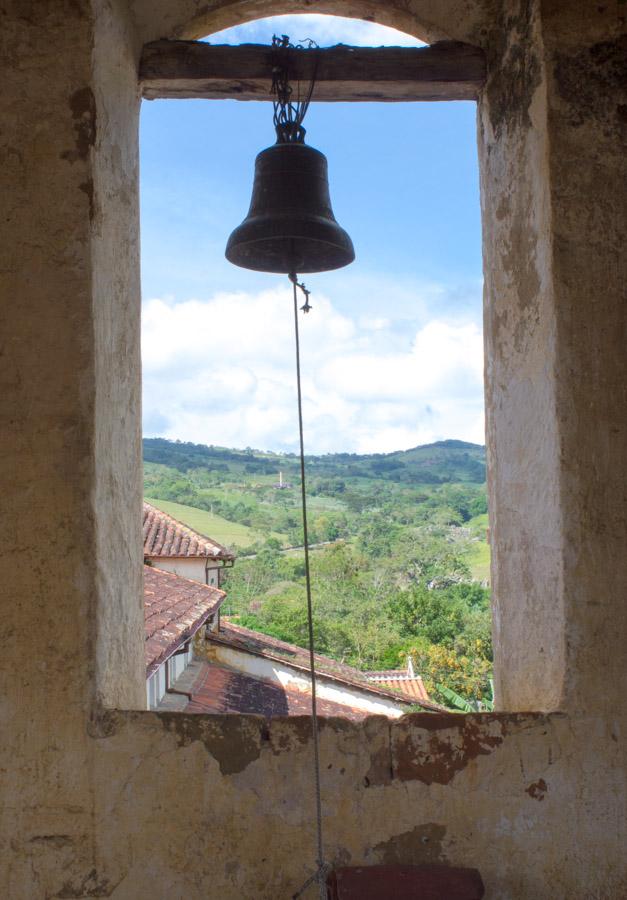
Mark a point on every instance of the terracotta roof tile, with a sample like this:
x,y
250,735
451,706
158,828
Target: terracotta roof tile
x,y
166,537
221,690
298,657
174,609
411,686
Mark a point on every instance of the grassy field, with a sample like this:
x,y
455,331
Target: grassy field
x,y
232,534
478,526
479,561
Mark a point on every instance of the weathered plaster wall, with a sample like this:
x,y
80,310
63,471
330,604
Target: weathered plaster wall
x,y
430,20
518,796
587,107
47,464
522,430
112,193
70,557
222,806
70,463
554,197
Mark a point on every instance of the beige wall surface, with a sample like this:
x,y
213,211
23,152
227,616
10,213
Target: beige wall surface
x,y
136,804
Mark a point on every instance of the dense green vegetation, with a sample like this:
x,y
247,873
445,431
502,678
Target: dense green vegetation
x,y
403,564
439,484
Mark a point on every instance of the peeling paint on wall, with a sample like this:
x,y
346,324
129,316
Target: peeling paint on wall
x,y
420,846
537,790
233,741
83,109
443,746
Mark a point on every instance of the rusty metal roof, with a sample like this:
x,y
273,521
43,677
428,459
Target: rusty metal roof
x,y
218,689
174,609
164,536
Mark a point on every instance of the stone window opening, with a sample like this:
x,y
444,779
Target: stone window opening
x,y
418,691
516,211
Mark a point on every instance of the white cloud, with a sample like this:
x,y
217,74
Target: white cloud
x,y
221,371
369,323
324,30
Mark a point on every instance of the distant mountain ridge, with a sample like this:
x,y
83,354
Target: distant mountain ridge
x,y
436,463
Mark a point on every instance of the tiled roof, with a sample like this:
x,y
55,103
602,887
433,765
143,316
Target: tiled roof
x,y
165,536
217,689
410,686
174,610
263,645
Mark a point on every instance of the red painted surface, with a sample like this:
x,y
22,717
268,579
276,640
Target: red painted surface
x,y
405,883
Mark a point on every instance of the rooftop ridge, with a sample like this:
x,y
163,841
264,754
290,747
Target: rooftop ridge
x,y
177,539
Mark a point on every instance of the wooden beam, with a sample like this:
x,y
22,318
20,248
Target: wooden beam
x,y
189,69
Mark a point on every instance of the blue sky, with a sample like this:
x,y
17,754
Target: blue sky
x,y
392,350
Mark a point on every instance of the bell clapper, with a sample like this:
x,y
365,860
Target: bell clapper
x,y
306,307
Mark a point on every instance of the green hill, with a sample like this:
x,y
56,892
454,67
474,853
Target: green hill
x,y
438,463
370,501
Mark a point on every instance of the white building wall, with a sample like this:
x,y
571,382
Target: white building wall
x,y
155,686
202,570
165,676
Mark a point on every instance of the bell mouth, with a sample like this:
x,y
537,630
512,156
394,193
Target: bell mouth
x,y
286,246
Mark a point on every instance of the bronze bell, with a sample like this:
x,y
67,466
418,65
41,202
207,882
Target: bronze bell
x,y
290,227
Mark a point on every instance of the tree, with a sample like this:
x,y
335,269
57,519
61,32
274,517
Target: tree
x,y
433,615
377,536
250,579
438,665
471,594
423,554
